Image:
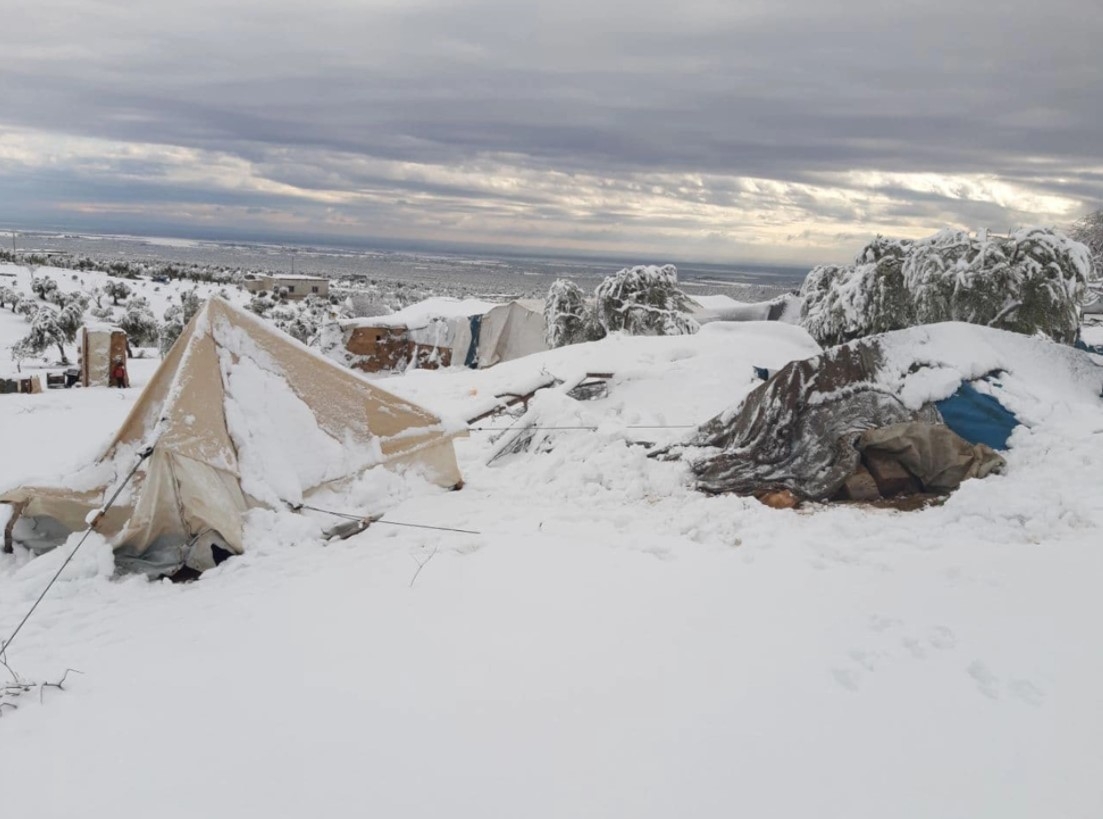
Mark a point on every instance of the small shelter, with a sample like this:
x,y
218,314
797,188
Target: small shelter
x,y
101,346
443,332
817,422
239,415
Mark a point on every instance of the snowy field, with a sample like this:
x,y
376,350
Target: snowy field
x,y
610,644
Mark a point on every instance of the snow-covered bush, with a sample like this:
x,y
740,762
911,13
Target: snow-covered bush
x,y
45,330
1032,282
103,313
71,318
116,290
330,342
261,303
643,301
1089,232
44,287
139,323
300,320
10,296
176,318
566,315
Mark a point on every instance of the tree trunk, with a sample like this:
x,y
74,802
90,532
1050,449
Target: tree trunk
x,y
61,350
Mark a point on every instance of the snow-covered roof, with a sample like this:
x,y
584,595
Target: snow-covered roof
x,y
420,314
717,302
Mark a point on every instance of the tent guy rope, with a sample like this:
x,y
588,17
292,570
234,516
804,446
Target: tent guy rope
x,y
145,453
295,507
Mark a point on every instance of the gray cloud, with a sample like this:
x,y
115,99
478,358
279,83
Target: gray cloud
x,y
709,129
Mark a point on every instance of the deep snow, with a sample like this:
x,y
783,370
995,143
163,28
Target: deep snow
x,y
612,643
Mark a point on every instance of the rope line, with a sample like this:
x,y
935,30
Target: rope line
x,y
141,458
297,506
592,428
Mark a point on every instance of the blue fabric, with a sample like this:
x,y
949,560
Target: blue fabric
x,y
472,358
1080,344
977,417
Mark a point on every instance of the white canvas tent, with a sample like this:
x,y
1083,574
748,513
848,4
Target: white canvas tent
x,y
510,331
442,332
239,415
482,337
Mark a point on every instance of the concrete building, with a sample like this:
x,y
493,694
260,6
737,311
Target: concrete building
x,y
298,287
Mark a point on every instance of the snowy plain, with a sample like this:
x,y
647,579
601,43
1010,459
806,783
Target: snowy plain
x,y
611,643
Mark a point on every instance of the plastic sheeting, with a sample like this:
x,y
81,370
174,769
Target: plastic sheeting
x,y
977,417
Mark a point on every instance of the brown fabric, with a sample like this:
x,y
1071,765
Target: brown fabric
x,y
378,349
937,456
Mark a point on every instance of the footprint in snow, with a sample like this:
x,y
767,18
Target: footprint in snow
x,y
1028,692
987,682
848,678
942,637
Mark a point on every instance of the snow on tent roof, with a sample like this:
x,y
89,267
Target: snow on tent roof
x,y
421,314
239,415
717,302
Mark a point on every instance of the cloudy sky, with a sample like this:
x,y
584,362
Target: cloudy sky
x,y
713,130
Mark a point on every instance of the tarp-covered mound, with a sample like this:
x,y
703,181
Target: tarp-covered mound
x,y
238,415
800,429
1033,281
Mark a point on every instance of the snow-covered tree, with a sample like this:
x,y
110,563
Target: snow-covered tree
x,y
566,316
103,313
9,296
45,330
116,290
1089,232
189,304
1032,282
71,318
172,327
44,287
261,303
26,308
300,320
643,301
139,323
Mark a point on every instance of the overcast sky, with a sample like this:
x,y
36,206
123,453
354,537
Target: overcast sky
x,y
699,130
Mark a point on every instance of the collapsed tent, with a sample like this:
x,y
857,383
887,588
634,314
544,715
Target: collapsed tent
x,y
785,308
802,430
238,415
439,332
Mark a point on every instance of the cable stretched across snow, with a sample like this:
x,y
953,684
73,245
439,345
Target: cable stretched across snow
x,y
145,453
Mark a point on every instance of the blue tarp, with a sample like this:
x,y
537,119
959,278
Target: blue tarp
x,y
978,417
472,358
1096,349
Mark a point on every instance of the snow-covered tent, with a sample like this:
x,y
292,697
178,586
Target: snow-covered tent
x,y
508,331
801,430
238,415
705,309
442,332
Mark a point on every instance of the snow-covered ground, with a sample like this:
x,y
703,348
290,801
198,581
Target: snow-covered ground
x,y
611,643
